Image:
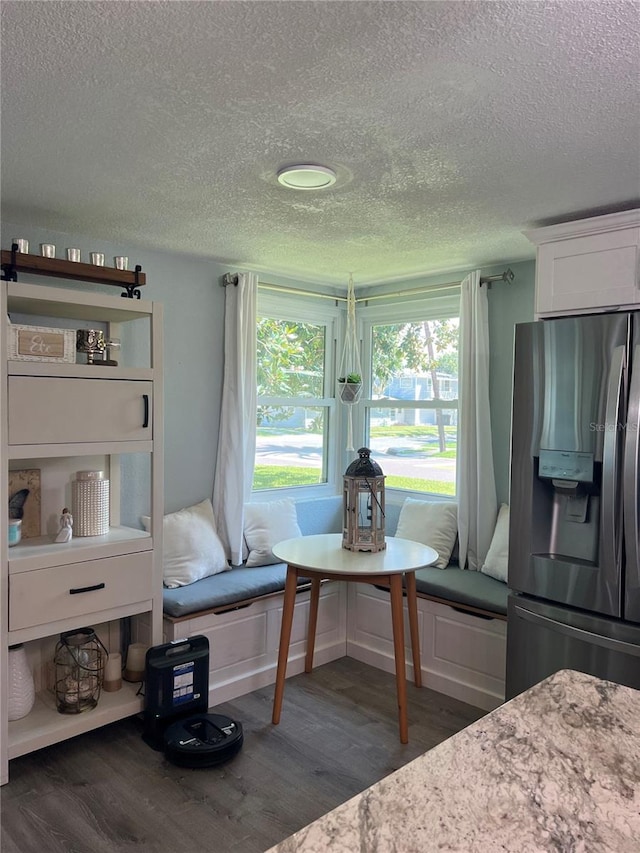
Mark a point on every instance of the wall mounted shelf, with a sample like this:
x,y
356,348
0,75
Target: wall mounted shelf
x,y
14,262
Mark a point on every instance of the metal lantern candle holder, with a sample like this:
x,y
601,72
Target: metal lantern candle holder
x,y
79,665
363,505
91,342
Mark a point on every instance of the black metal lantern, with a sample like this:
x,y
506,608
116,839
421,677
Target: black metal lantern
x,y
363,505
79,665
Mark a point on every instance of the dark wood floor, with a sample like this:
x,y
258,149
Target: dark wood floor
x,y
107,791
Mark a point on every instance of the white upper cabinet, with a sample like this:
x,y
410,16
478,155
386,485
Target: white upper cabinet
x,y
45,410
588,266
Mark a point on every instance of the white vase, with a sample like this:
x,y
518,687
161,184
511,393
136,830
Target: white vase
x,y
22,691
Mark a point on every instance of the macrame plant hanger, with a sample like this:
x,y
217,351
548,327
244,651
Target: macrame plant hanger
x,y
350,373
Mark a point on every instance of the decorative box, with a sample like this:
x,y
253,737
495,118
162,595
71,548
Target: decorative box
x,y
40,343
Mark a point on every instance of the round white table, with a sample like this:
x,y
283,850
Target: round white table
x,y
322,557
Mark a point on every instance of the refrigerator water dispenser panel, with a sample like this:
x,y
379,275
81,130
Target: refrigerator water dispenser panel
x,y
566,465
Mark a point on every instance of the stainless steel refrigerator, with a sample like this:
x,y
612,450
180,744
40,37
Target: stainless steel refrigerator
x,y
574,574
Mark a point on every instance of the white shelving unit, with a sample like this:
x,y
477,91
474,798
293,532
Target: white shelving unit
x,y
94,418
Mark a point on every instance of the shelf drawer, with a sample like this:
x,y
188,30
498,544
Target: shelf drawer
x,y
63,592
50,410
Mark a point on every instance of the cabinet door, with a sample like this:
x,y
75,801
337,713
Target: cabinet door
x,y
590,272
48,410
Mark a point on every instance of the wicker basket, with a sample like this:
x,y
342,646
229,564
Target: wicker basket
x,y
90,503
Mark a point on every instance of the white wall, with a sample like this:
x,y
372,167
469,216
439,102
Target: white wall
x,y
508,304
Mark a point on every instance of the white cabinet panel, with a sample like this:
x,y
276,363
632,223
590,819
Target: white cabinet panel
x,y
46,410
244,643
589,265
461,655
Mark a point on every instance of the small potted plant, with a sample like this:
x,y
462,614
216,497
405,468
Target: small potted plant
x,y
350,387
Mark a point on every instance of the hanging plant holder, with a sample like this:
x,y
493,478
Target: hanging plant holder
x,y
349,385
350,391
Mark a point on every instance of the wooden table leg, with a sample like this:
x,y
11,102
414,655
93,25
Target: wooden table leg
x,y
313,622
290,586
412,607
395,586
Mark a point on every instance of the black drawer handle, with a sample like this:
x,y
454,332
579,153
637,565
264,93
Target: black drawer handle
x,y
86,589
145,400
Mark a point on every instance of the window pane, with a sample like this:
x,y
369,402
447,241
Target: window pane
x,y
290,358
416,448
290,447
413,364
416,361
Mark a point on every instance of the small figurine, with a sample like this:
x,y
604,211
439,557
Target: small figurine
x,y
65,533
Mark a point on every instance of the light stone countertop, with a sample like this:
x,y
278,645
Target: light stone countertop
x,y
555,769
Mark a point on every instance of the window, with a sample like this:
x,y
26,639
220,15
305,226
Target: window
x,y
295,349
411,415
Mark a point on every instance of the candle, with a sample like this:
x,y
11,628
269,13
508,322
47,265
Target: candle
x,y
113,673
134,669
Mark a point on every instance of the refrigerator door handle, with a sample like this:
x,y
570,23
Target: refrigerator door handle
x,y
631,471
579,633
610,491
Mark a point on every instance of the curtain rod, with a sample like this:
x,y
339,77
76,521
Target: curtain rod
x,y
506,276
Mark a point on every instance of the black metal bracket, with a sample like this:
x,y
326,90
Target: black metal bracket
x,y
9,271
230,278
133,290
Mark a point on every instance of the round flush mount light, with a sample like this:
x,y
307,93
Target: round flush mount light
x,y
306,177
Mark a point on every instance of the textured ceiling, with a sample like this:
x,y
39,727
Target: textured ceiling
x,y
452,126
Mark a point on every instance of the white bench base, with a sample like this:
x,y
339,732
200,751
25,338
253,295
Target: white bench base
x,y
243,644
462,655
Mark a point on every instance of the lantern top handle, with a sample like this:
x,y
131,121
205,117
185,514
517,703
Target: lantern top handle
x,y
364,466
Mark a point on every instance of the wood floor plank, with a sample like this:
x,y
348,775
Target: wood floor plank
x,y
108,791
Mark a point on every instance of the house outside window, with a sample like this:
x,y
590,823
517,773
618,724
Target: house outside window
x,y
295,440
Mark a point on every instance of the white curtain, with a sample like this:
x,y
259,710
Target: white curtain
x,y
475,487
237,439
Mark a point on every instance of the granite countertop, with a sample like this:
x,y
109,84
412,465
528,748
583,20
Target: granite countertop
x,y
557,768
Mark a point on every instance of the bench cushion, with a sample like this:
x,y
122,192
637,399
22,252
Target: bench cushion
x,y
461,586
240,584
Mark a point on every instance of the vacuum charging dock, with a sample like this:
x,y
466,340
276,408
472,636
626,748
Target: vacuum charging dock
x,y
175,707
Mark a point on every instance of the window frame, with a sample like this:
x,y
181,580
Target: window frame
x,y
324,312
417,309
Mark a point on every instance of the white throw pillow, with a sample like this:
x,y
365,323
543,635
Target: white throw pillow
x,y
497,558
433,523
268,523
191,549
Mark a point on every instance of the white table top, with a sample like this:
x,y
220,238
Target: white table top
x,y
324,552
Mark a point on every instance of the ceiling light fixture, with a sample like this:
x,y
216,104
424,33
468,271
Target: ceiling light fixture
x,y
306,177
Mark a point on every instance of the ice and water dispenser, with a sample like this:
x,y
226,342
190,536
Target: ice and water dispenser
x,y
567,495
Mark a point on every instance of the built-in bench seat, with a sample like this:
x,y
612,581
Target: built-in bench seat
x,y
242,585
240,612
